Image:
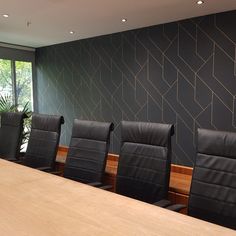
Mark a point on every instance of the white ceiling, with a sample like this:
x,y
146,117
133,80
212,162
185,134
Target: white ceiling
x,y
51,20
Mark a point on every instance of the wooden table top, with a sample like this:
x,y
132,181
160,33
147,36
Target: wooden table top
x,y
37,203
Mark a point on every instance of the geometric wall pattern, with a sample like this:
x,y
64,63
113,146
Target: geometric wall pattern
x,y
182,73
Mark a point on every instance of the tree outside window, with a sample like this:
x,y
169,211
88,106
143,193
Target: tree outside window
x,y
16,82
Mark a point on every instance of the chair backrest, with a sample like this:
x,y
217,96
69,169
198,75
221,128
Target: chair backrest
x,y
144,161
87,154
11,134
213,188
43,141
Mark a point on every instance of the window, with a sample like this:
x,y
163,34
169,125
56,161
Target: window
x,y
6,85
16,82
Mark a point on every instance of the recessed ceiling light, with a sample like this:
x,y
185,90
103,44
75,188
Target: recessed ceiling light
x,y
124,20
200,2
72,32
5,15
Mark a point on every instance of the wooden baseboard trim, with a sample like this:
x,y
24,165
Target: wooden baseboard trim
x,y
63,148
182,169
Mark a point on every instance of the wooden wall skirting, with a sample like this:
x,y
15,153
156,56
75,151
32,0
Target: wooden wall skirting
x,y
63,148
182,169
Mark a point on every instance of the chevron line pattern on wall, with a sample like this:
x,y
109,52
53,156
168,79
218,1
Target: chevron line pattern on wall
x,y
182,73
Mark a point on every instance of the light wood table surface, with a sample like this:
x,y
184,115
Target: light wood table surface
x,y
36,203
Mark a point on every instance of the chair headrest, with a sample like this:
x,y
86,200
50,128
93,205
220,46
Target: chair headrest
x,y
92,129
146,132
47,122
12,118
219,143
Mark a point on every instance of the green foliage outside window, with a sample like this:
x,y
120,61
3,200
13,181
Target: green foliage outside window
x,y
24,83
20,88
16,91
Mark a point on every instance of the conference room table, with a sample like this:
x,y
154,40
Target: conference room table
x,y
38,203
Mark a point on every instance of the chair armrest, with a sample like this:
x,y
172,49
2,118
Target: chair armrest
x,y
162,203
44,168
99,185
176,207
95,184
59,172
106,187
15,161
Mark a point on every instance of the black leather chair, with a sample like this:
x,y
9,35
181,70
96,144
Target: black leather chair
x,y
213,188
88,149
144,162
11,134
43,141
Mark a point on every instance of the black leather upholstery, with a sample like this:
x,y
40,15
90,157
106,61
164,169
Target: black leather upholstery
x,y
88,150
11,134
213,188
144,162
43,141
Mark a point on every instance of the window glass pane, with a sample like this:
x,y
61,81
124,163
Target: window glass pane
x,y
6,85
24,93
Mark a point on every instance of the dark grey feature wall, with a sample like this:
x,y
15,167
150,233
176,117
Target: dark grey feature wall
x,y
182,73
